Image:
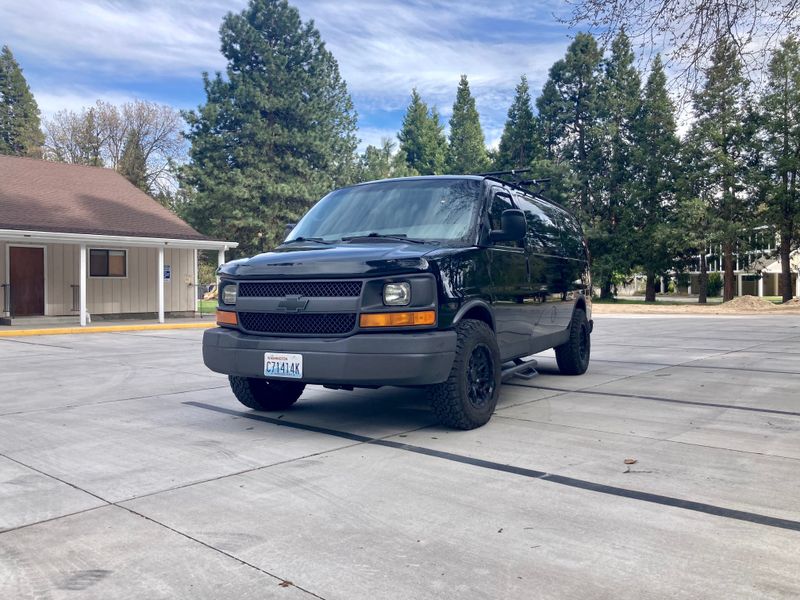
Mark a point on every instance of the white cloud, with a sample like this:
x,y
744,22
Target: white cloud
x,y
174,38
75,99
374,136
383,48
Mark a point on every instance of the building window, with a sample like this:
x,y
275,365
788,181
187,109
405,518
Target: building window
x,y
108,263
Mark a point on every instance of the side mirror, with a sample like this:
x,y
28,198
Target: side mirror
x,y
514,227
287,229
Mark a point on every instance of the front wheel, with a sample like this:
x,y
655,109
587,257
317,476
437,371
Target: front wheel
x,y
265,394
469,396
573,355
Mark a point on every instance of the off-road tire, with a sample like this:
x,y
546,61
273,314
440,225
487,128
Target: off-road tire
x,y
573,355
263,394
451,400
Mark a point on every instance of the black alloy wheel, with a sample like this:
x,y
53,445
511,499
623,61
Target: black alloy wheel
x,y
468,397
480,376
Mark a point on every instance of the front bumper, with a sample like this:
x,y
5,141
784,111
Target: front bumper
x,y
363,359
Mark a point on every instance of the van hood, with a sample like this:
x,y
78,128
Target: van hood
x,y
340,260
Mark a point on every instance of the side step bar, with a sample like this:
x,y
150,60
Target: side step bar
x,y
526,369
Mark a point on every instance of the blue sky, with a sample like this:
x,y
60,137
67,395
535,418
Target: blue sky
x,y
74,52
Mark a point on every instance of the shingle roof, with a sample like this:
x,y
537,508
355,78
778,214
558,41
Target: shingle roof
x,y
38,195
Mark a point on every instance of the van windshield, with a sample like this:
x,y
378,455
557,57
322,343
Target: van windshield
x,y
422,209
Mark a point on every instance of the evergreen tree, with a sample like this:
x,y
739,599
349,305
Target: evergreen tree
x,y
570,115
721,138
517,147
274,135
617,101
550,121
20,131
383,162
576,78
466,152
422,140
133,165
781,123
653,152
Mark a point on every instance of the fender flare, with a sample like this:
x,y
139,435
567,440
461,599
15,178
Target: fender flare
x,y
475,303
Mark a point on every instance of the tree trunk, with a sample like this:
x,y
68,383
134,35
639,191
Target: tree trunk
x,y
785,252
650,289
702,281
729,288
605,290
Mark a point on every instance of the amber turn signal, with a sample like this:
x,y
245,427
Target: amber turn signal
x,y
226,317
398,319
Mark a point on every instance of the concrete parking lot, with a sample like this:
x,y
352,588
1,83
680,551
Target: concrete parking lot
x,y
127,470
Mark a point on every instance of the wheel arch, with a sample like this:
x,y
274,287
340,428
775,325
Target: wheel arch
x,y
478,310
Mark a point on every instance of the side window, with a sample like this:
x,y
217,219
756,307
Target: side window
x,y
501,200
543,235
572,238
108,263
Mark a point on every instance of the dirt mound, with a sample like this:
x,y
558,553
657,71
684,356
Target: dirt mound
x,y
793,303
748,303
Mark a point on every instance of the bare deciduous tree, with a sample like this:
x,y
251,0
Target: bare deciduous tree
x,y
688,30
97,136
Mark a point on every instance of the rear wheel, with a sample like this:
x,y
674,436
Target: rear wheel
x,y
469,396
265,394
573,355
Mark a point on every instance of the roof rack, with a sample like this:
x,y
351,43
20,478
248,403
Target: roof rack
x,y
519,182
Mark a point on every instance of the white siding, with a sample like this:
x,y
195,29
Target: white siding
x,y
3,275
135,293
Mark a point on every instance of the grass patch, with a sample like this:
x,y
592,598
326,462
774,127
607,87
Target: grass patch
x,y
206,306
657,302
665,302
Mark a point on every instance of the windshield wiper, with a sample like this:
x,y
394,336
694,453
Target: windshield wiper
x,y
387,236
307,239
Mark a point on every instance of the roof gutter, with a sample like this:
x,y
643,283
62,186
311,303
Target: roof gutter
x,y
14,235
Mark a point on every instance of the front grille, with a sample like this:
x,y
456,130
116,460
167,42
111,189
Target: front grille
x,y
306,323
311,289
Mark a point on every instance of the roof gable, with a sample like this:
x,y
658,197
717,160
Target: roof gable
x,y
38,195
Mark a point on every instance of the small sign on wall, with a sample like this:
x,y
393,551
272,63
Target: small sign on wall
x,y
167,272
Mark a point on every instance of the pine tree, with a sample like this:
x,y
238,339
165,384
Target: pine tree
x,y
570,131
575,115
781,123
721,137
618,99
20,129
133,165
422,140
653,154
274,135
517,147
383,162
550,122
466,151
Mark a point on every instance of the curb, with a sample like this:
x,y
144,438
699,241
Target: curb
x,y
105,329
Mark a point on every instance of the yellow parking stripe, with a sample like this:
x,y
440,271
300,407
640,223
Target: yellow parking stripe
x,y
105,329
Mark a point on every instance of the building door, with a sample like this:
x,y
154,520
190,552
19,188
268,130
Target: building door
x,y
26,267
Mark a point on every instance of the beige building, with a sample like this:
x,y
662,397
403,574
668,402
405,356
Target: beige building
x,y
83,242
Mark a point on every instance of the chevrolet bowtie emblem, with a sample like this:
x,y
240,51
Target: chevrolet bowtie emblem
x,y
293,304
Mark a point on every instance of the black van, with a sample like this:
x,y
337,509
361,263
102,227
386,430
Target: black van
x,y
443,283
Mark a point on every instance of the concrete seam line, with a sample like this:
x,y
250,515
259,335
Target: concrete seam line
x,y
691,366
56,518
223,552
103,329
103,402
644,437
590,391
592,486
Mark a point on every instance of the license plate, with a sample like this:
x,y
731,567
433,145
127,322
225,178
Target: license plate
x,y
277,364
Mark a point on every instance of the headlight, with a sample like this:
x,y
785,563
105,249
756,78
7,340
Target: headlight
x,y
397,294
229,294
